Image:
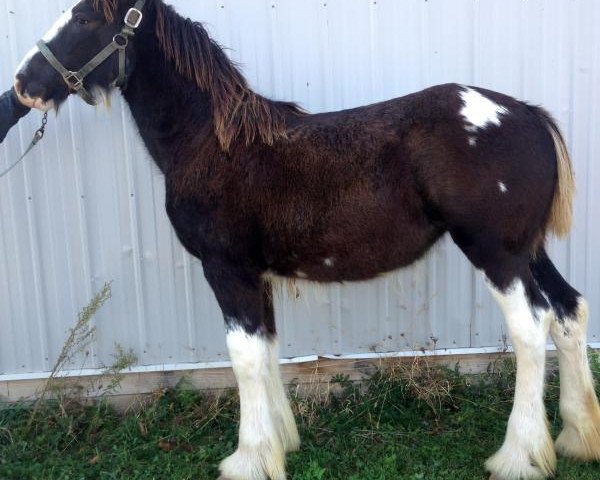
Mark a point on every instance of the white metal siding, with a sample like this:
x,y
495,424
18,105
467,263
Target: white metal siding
x,y
87,207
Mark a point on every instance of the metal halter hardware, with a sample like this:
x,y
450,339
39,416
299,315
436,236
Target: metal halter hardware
x,y
119,44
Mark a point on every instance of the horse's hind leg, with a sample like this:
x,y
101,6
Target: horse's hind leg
x,y
267,427
527,452
579,407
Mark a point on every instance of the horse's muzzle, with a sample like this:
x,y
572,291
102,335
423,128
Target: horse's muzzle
x,y
32,94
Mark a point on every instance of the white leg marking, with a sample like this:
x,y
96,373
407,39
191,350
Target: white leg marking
x,y
579,407
260,454
282,412
527,452
479,112
502,186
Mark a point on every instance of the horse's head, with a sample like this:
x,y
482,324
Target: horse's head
x,y
76,38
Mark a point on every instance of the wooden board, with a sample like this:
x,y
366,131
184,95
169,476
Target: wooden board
x,y
309,378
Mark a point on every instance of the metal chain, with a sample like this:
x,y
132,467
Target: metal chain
x,y
37,136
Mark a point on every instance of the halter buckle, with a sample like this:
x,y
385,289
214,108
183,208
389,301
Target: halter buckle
x,y
74,80
133,18
121,41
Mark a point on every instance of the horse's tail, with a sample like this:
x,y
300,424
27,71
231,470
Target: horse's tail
x,y
560,218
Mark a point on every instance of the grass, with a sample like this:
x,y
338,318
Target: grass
x,y
408,422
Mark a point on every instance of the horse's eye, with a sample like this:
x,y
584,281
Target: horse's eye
x,y
81,20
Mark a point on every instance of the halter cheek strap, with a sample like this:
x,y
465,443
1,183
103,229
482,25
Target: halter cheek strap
x,y
74,80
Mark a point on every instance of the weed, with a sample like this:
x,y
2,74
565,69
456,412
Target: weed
x,y
431,384
123,361
78,339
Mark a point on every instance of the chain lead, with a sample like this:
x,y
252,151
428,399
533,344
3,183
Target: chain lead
x,y
38,135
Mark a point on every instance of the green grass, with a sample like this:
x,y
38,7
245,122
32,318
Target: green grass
x,y
407,423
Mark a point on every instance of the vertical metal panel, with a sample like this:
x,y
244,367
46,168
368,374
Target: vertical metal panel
x,y
87,207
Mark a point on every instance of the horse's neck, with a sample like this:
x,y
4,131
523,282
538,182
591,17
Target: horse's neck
x,y
169,110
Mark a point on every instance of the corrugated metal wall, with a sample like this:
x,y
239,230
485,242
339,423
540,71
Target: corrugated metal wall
x,y
87,207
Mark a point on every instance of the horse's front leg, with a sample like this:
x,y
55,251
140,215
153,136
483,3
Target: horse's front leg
x,y
267,426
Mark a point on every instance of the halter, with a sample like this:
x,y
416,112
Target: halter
x,y
74,80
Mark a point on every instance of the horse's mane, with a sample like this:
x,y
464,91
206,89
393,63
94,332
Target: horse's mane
x,y
236,108
107,7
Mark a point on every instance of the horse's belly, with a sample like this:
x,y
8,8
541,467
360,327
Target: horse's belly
x,y
357,253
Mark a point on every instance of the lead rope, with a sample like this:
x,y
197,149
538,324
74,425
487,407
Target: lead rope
x,y
37,136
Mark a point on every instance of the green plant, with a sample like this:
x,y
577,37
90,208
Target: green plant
x,y
78,339
122,361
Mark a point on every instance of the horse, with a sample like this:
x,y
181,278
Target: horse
x,y
257,188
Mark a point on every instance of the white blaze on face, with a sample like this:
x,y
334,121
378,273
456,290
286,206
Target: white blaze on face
x,y
63,20
28,56
479,112
59,24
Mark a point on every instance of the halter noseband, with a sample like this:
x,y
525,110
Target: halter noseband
x,y
74,80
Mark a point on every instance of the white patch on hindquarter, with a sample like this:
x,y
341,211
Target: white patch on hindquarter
x,y
502,186
479,112
329,262
261,452
527,451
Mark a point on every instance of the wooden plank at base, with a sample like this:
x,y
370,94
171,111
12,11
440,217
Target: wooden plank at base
x,y
310,377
